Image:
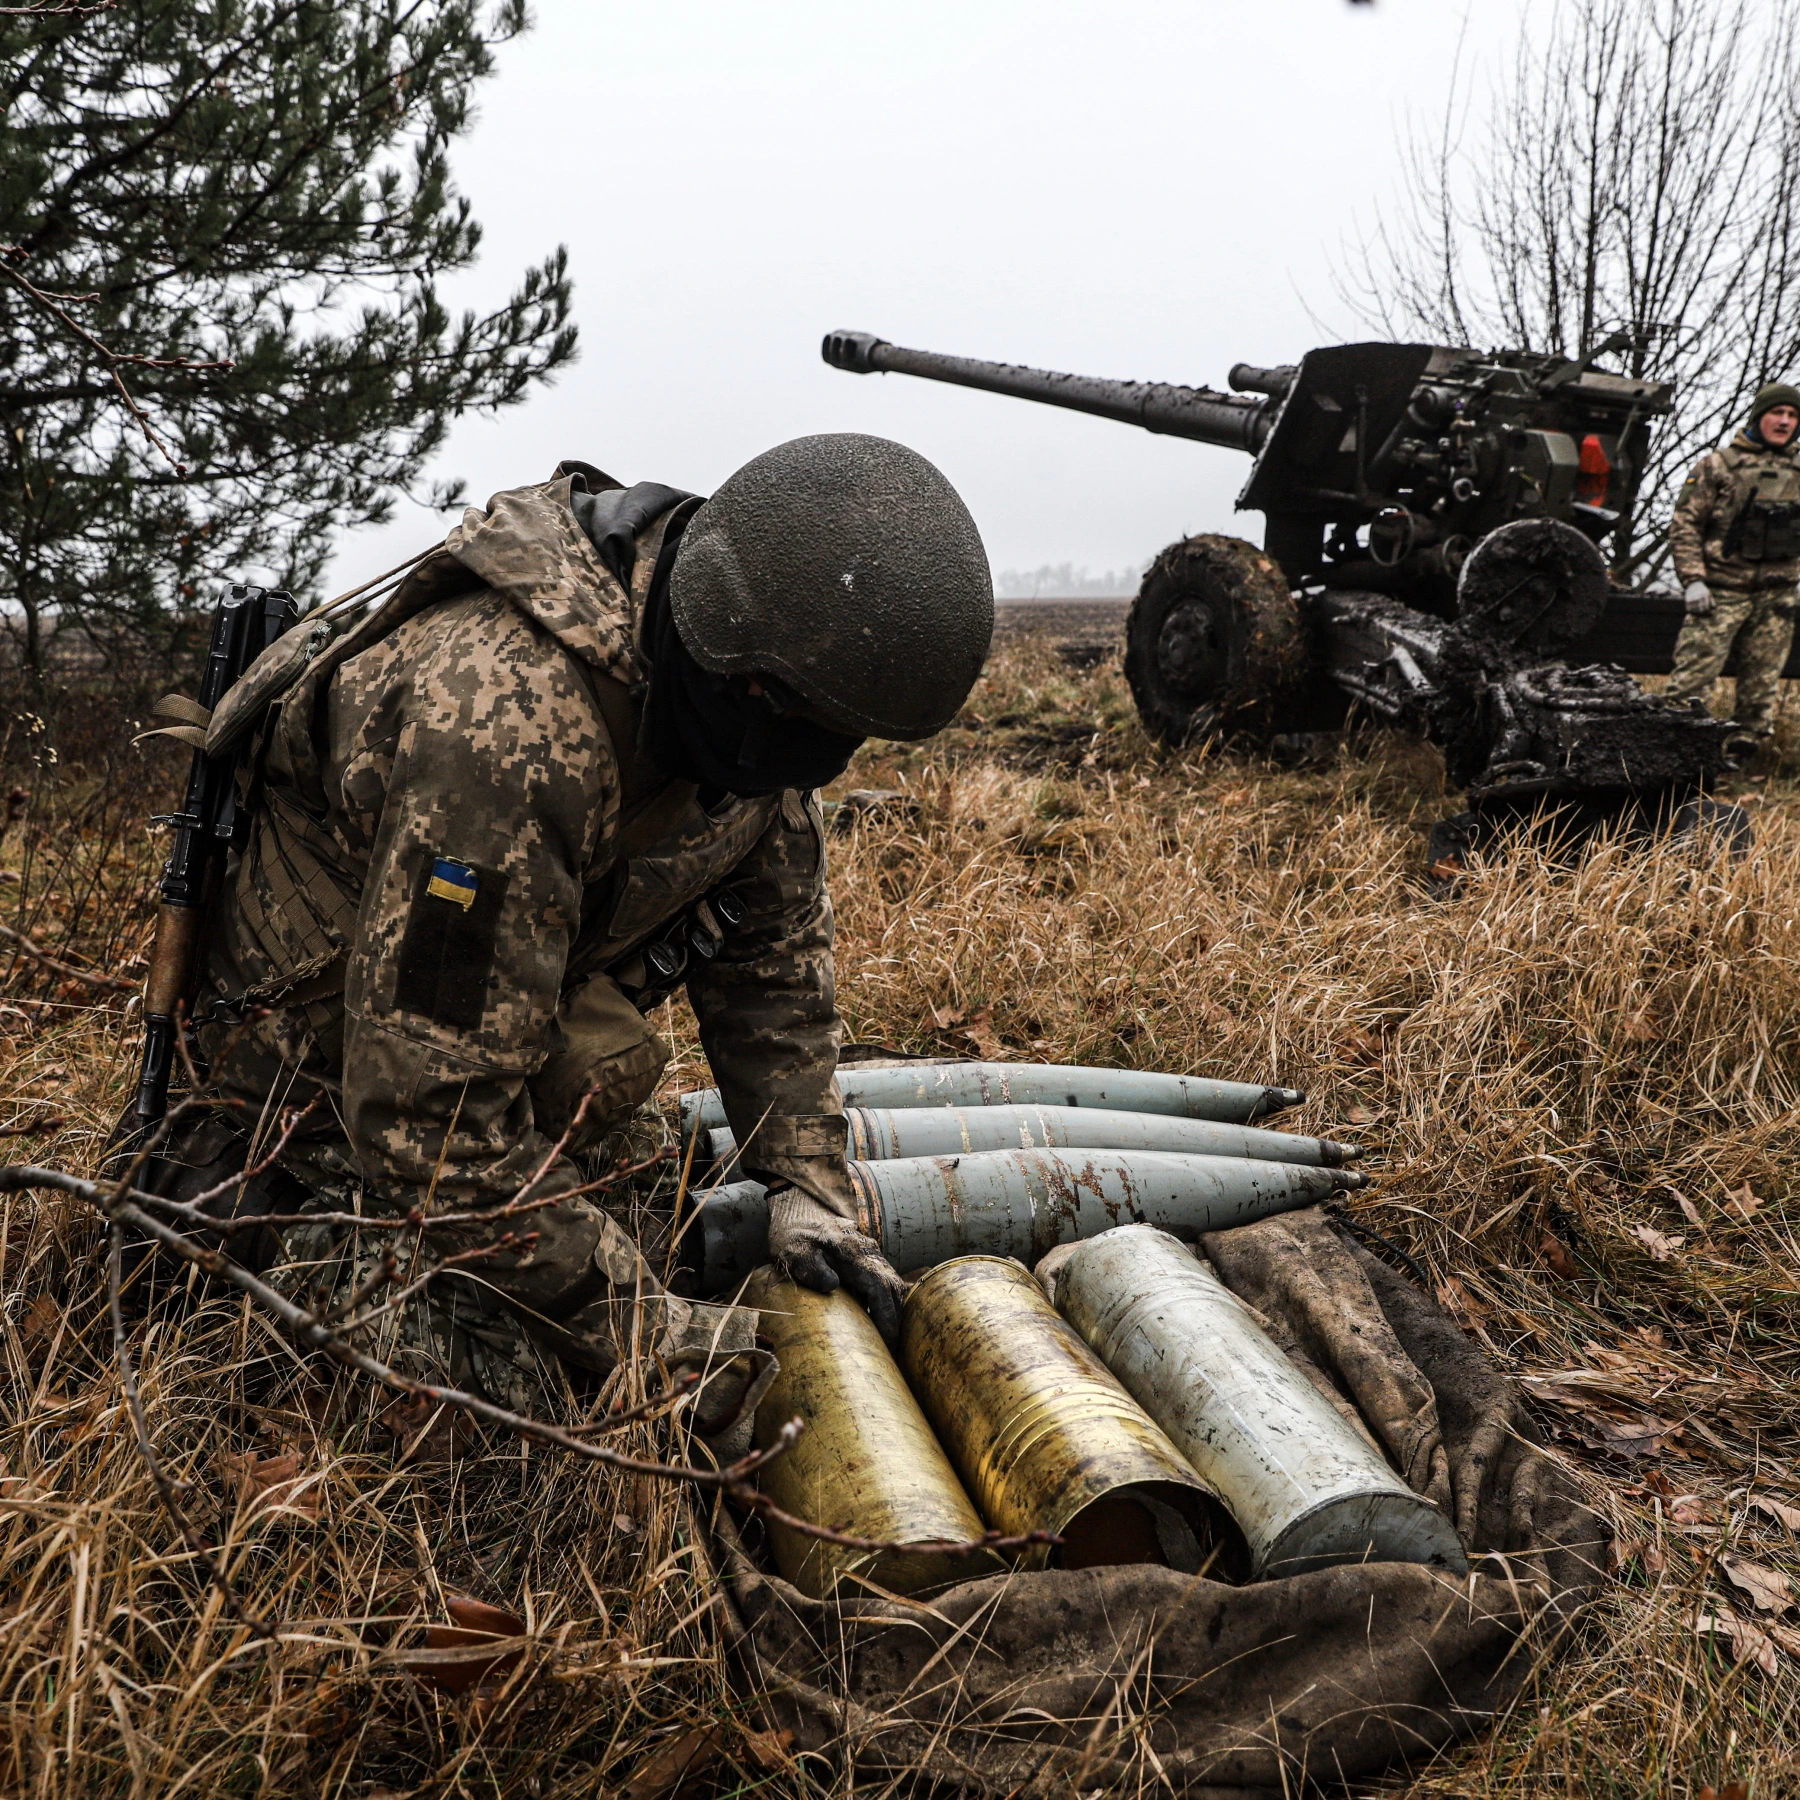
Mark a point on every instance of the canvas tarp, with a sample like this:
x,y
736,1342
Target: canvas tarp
x,y
1064,1682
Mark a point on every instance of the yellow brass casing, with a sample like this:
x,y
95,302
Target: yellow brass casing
x,y
1043,1433
867,1462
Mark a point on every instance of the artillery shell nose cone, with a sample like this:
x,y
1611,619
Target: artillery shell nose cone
x,y
1279,1099
1350,1178
1336,1154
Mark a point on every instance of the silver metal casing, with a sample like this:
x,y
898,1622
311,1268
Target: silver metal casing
x,y
1307,1490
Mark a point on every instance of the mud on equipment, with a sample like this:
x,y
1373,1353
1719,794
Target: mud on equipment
x,y
1306,1489
925,1210
1434,516
1031,1084
866,1462
1043,1435
881,1134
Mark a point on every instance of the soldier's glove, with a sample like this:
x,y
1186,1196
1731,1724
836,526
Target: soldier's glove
x,y
1698,597
814,1235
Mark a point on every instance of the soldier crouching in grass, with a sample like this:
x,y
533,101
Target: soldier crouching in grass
x,y
570,766
1736,542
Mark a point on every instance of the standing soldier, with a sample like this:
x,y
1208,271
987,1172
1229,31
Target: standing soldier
x,y
1736,539
570,767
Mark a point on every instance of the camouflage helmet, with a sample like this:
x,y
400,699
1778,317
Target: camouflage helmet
x,y
847,569
1774,393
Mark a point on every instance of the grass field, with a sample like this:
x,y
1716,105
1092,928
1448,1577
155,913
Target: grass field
x,y
1580,1087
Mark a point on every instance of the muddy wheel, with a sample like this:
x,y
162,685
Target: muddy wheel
x,y
1214,643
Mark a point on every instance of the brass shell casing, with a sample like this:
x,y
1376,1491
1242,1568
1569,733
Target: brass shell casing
x,y
867,1462
1045,1436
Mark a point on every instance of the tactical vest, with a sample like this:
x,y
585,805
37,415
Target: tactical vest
x,y
1765,531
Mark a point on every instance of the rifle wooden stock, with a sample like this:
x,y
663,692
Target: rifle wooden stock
x,y
248,620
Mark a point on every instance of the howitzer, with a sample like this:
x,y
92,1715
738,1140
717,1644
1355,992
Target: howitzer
x,y
248,620
1433,522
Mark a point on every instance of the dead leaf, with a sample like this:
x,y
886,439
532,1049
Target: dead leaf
x,y
1768,1589
1778,1510
1638,1027
1556,1257
1743,1203
1689,1210
449,1435
980,1032
770,1750
1661,1246
1622,1552
1693,1509
453,1660
1749,1643
278,1480
1467,1309
41,1319
1651,1335
1639,1437
1732,1790
669,1767
1656,1482
1360,1047
945,1018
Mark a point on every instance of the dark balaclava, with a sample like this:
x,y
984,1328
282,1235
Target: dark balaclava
x,y
711,730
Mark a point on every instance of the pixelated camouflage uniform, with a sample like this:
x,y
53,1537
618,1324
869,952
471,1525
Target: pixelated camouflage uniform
x,y
486,718
1753,597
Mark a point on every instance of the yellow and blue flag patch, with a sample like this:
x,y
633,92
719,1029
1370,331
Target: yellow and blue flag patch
x,y
452,881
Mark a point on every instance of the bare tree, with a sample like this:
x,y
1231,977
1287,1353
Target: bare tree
x,y
1637,166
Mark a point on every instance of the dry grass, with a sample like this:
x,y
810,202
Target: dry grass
x,y
1562,1071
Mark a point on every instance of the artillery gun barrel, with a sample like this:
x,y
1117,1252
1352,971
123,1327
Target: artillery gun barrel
x,y
1229,420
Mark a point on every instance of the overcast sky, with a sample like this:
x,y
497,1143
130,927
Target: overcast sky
x,y
1152,189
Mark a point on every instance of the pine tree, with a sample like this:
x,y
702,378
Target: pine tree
x,y
222,225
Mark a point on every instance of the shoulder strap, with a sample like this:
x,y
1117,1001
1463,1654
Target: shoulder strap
x,y
318,646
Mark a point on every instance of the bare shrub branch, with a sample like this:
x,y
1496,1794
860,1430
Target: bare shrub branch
x,y
1637,166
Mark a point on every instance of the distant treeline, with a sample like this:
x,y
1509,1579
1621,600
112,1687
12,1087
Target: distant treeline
x,y
1064,581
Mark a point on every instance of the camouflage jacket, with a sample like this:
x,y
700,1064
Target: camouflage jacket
x,y
1724,481
454,831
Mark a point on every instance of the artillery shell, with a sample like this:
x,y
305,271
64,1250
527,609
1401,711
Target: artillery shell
x,y
1032,1084
1305,1488
1023,1203
867,1462
882,1134
1044,1436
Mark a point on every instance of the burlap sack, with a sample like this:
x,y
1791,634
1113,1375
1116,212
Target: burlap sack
x,y
1064,1682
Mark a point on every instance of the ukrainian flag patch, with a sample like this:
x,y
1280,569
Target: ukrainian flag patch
x,y
452,881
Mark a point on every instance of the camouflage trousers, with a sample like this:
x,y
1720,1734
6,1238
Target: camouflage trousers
x,y
579,1294
1761,625
472,1331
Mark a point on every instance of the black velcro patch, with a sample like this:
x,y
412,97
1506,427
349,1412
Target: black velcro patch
x,y
447,954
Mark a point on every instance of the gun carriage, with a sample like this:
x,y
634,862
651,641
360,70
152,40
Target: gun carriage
x,y
1431,553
